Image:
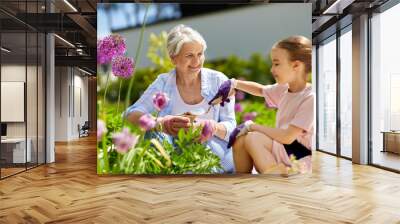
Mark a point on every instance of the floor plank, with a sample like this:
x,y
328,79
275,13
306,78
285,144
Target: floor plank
x,y
70,191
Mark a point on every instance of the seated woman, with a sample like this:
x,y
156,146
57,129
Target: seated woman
x,y
189,87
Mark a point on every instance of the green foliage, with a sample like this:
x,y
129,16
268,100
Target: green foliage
x,y
188,157
265,116
191,156
157,52
187,154
259,69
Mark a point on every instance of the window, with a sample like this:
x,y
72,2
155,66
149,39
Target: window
x,y
22,74
385,87
346,92
327,95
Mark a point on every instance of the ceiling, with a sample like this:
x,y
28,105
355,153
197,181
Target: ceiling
x,y
74,22
331,15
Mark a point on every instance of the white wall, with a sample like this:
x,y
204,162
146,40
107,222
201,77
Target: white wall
x,y
240,31
61,103
12,73
80,94
69,85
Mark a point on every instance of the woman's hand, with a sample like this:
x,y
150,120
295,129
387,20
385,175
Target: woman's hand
x,y
172,124
208,128
226,90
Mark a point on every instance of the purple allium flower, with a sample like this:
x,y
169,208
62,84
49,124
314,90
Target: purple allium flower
x,y
122,66
101,129
109,47
207,131
249,116
239,95
147,122
124,140
238,107
160,100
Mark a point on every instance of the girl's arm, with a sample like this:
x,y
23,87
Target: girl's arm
x,y
252,88
284,136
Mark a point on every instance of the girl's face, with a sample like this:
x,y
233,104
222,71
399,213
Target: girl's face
x,y
190,58
283,70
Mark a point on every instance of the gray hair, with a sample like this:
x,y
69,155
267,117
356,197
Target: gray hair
x,y
181,34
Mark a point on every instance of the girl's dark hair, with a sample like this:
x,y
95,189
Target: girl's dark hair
x,y
299,49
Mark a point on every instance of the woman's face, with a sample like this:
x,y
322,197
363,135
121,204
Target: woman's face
x,y
190,58
282,69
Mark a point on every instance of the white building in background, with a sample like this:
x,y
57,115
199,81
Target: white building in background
x,y
241,31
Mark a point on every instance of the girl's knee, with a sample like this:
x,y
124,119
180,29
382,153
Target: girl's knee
x,y
238,145
258,139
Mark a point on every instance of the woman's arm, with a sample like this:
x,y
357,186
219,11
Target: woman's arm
x,y
168,124
284,136
134,116
252,88
220,131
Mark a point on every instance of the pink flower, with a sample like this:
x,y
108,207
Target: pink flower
x,y
122,66
147,122
207,131
249,116
110,47
160,100
101,129
238,107
239,95
124,140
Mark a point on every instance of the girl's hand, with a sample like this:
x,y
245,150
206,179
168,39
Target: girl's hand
x,y
226,90
239,131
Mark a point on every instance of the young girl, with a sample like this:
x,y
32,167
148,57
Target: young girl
x,y
268,148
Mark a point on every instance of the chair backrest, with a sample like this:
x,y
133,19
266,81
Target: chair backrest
x,y
86,125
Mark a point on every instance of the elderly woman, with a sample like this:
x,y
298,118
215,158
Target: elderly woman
x,y
190,87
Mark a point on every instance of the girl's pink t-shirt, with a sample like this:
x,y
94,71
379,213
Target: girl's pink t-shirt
x,y
295,109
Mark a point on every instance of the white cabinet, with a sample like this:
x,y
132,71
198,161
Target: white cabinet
x,y
18,149
12,101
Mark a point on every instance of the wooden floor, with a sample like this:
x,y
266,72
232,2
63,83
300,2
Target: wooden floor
x,y
388,159
10,171
70,191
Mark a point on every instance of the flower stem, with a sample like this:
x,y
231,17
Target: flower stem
x,y
105,91
128,97
105,155
103,140
98,160
119,96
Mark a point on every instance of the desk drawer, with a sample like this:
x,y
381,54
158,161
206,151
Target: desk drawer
x,y
392,142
